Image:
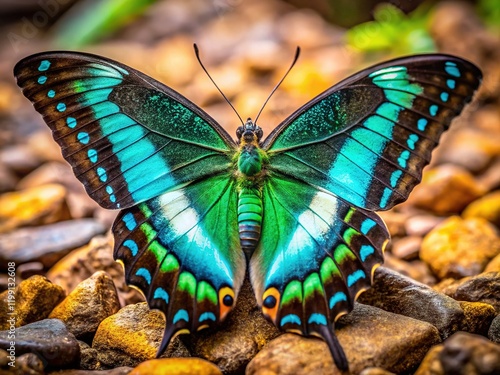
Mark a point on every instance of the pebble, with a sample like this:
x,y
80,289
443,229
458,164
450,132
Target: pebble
x,y
132,336
493,265
420,225
30,364
49,339
494,330
238,339
398,294
431,364
478,317
375,371
416,269
47,244
92,301
26,270
82,263
88,357
176,366
124,370
490,179
460,247
19,158
484,287
8,180
406,248
487,207
446,189
370,337
35,298
36,206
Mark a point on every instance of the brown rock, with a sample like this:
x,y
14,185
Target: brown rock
x,y
7,179
478,317
446,189
398,294
370,337
37,206
116,371
459,247
238,339
47,244
88,357
19,158
420,225
431,364
494,330
176,366
416,269
29,364
92,301
34,299
406,248
395,221
484,288
494,265
487,207
132,336
82,263
490,179
375,371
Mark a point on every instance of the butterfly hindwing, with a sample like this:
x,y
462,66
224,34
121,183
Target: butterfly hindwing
x,y
316,254
368,138
127,137
182,250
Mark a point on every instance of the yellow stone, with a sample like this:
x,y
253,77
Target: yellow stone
x,y
176,366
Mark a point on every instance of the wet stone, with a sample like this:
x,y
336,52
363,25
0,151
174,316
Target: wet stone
x,y
35,298
468,354
49,339
92,301
494,330
176,366
460,247
487,207
399,294
370,337
478,317
49,243
484,288
446,189
132,336
238,339
37,206
82,263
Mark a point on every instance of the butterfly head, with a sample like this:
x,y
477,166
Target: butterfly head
x,y
250,132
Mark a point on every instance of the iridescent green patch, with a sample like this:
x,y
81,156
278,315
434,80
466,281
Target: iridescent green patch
x,y
312,285
170,264
206,292
293,291
187,283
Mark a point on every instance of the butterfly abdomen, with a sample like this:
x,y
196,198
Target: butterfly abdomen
x,y
249,218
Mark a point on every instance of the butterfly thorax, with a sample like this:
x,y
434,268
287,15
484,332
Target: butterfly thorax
x,y
251,161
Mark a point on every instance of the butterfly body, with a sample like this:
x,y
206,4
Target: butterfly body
x,y
296,209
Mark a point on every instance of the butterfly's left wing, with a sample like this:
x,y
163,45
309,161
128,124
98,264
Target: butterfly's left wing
x,y
358,147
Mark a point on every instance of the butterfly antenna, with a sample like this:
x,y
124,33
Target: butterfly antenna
x,y
297,53
197,52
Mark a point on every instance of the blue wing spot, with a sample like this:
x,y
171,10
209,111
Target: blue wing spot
x,y
367,225
422,124
395,178
366,251
403,158
161,293
444,96
451,83
385,197
354,277
290,318
132,246
412,139
317,318
433,109
83,137
181,315
42,80
44,65
336,298
207,316
109,189
144,273
71,122
129,221
112,198
92,154
101,172
51,93
451,69
61,107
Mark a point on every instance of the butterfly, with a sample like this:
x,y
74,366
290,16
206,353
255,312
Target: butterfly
x,y
296,209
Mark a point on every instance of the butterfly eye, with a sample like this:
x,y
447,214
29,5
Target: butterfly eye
x,y
258,133
239,132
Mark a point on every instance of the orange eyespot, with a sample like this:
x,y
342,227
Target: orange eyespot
x,y
270,303
226,301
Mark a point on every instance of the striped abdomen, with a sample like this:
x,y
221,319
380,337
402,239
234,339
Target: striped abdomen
x,y
249,219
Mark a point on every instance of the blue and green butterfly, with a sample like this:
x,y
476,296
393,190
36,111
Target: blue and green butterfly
x,y
296,209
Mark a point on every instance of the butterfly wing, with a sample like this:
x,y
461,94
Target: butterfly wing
x,y
368,138
358,147
138,145
128,137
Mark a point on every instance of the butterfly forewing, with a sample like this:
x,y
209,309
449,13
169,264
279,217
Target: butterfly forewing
x,y
368,138
127,137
